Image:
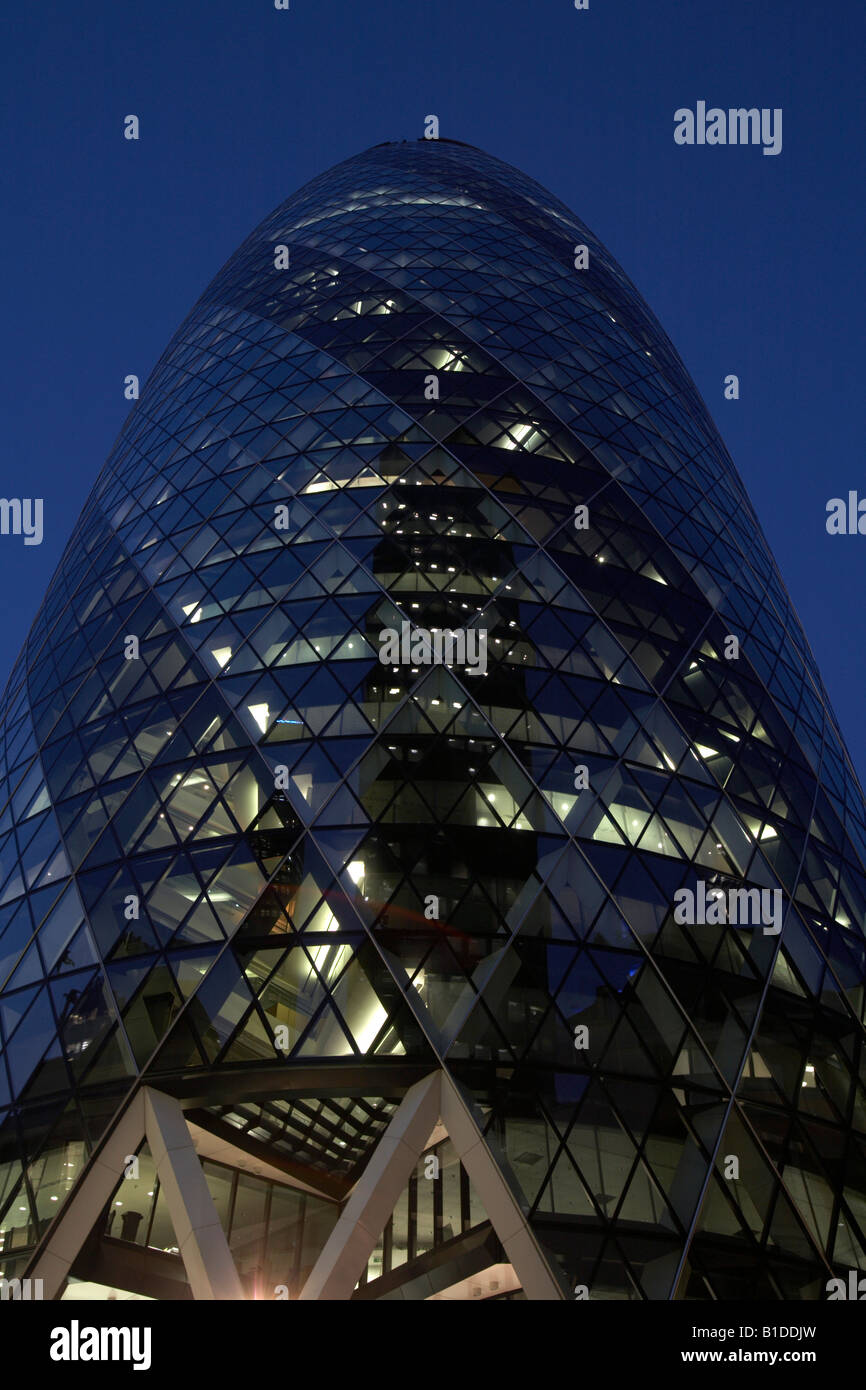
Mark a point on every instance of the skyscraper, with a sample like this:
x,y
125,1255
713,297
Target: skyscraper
x,y
416,656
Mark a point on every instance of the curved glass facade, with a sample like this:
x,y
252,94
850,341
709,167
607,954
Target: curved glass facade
x,y
242,858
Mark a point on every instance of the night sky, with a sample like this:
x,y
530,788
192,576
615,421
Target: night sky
x,y
753,264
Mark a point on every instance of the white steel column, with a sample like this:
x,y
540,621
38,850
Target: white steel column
x,y
342,1261
500,1199
375,1195
81,1212
204,1249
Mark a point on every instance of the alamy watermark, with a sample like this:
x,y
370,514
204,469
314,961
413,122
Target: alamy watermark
x,y
17,1289
736,126
22,516
437,646
741,907
846,517
77,1343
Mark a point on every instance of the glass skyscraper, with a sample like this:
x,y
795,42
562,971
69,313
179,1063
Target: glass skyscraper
x,y
417,647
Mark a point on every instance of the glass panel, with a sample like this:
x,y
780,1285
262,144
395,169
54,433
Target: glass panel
x,y
248,1223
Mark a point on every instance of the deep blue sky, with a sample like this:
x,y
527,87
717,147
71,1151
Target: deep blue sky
x,y
754,265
